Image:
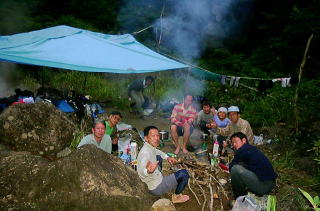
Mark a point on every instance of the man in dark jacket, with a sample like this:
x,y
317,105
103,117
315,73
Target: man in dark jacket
x,y
250,169
135,92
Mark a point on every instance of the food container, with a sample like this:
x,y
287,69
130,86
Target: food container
x,y
164,135
201,152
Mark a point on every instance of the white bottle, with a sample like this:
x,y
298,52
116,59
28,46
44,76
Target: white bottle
x,y
215,150
134,151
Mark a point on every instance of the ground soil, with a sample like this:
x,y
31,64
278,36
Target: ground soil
x,y
162,122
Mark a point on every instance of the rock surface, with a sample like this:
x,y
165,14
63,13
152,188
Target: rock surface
x,y
163,205
37,128
87,179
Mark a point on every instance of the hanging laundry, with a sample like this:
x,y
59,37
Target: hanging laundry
x,y
288,81
223,79
236,82
285,82
232,79
276,79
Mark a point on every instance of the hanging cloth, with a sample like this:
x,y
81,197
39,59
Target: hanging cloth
x,y
236,82
232,79
223,79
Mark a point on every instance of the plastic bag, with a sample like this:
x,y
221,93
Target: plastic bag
x,y
245,203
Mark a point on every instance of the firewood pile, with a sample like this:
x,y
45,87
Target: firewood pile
x,y
207,183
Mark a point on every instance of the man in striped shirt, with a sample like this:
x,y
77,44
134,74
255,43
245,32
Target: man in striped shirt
x,y
182,118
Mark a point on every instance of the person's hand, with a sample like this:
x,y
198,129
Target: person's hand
x,y
209,125
151,167
190,121
186,124
225,144
213,124
178,124
115,140
171,160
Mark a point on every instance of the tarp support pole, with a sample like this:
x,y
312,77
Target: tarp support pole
x,y
84,84
42,84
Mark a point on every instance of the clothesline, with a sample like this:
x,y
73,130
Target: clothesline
x,y
286,79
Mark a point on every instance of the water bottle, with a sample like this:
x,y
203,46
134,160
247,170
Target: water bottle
x,y
172,155
215,150
134,151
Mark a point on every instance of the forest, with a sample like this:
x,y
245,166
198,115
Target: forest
x,y
246,38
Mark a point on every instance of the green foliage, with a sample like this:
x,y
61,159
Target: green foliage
x,y
286,161
30,83
315,202
316,150
76,139
100,87
271,203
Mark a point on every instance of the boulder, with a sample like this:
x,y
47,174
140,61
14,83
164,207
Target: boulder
x,y
163,205
38,128
87,179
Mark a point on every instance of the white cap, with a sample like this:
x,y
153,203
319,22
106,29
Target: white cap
x,y
233,109
223,109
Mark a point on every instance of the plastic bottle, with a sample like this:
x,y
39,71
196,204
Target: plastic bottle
x,y
134,151
215,150
172,155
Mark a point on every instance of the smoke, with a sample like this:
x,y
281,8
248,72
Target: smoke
x,y
191,25
188,27
6,73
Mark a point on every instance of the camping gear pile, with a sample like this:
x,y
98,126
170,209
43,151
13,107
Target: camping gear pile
x,y
129,144
70,102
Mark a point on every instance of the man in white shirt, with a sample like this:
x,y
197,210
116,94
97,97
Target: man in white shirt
x,y
98,137
149,159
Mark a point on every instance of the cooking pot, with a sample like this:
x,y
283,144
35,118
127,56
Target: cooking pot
x,y
164,135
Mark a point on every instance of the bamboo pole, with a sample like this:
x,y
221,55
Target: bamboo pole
x,y
296,95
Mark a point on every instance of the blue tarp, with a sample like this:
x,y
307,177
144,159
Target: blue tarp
x,y
77,49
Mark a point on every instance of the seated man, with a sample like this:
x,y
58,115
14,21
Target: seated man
x,y
135,92
250,169
149,158
237,125
182,118
222,121
111,128
205,117
98,137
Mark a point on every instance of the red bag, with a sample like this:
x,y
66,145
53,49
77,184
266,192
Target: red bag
x,y
224,167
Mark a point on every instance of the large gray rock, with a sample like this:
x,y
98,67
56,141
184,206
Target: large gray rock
x,y
87,179
38,128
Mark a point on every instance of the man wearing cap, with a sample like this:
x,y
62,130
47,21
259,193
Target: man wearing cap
x,y
205,117
135,92
222,121
237,125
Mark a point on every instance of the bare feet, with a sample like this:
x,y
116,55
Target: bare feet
x,y
179,198
185,151
177,150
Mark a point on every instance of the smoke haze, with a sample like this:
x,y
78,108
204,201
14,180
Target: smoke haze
x,y
188,27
